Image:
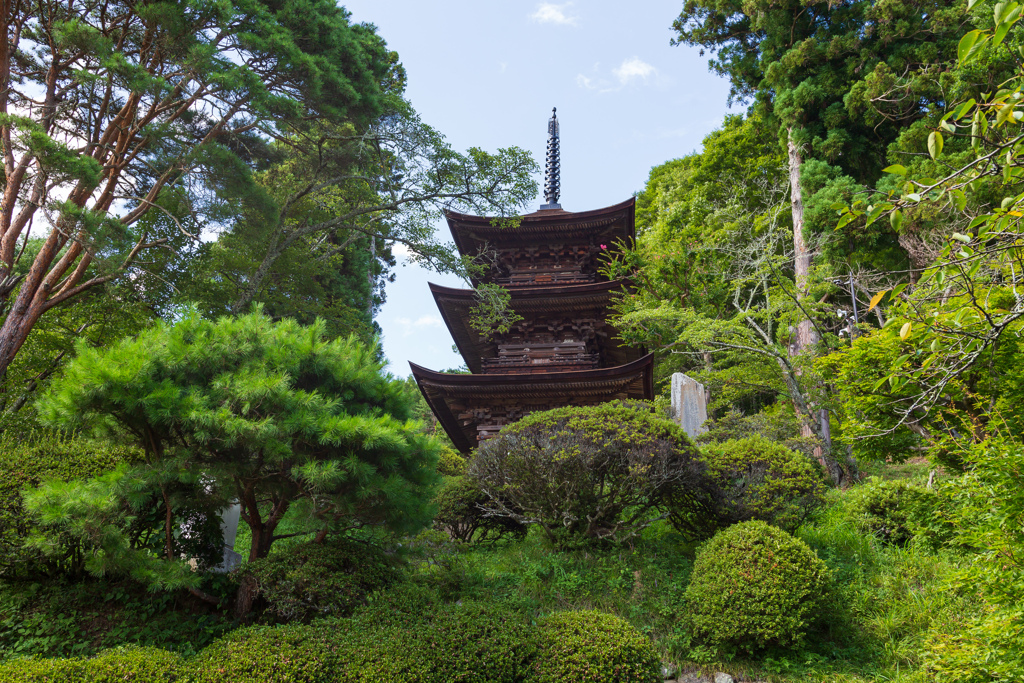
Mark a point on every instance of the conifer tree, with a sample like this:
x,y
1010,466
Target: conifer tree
x,y
259,412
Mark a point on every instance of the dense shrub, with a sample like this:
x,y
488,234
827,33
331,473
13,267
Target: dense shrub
x,y
460,513
754,585
777,422
472,642
754,478
593,647
450,463
129,663
892,511
321,579
592,472
459,642
24,464
264,654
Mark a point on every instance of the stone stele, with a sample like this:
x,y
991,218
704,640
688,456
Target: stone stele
x,y
689,404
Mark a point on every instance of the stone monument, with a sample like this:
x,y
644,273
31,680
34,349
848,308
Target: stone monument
x,y
689,404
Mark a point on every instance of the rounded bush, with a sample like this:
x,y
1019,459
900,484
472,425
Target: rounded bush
x,y
890,510
754,585
593,647
460,513
117,665
473,642
450,463
321,579
587,472
753,478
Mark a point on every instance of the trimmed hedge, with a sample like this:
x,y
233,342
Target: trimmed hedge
x,y
266,654
753,586
593,647
754,478
589,473
450,463
399,639
117,665
321,579
26,462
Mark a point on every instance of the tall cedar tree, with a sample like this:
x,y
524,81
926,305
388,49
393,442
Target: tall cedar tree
x,y
799,61
269,413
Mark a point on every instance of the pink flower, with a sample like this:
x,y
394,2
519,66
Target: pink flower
x,y
604,246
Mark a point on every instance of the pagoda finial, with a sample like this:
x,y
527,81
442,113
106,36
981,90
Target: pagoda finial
x,y
551,167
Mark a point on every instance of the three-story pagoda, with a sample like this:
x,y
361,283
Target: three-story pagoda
x,y
563,351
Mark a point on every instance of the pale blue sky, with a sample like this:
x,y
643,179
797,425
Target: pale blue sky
x,y
486,74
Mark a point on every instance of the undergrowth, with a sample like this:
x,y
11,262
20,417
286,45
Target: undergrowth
x,y
882,603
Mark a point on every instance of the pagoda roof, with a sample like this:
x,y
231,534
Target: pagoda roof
x,y
456,304
472,233
574,387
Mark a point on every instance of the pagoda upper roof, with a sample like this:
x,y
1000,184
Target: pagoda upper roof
x,y
473,233
574,387
456,305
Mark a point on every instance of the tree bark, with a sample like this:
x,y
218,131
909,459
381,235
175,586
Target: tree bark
x,y
806,336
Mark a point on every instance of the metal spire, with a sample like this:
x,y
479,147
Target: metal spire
x,y
551,167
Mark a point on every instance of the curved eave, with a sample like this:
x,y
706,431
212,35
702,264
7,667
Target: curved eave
x,y
455,304
441,389
610,223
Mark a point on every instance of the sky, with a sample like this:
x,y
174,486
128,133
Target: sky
x,y
486,74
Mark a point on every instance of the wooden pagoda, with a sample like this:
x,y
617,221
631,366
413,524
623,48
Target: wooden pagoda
x,y
563,351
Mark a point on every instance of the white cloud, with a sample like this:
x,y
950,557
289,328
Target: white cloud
x,y
410,326
549,13
634,69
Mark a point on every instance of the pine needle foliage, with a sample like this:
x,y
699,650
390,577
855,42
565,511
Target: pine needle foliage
x,y
265,413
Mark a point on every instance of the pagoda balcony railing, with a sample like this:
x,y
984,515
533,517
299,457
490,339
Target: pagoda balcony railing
x,y
526,278
530,364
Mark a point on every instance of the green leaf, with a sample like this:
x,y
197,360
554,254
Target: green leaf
x,y
898,289
895,168
845,220
1003,114
896,220
962,110
960,237
963,50
935,144
971,45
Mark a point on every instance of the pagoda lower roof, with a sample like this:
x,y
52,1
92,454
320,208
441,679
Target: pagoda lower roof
x,y
473,233
450,395
591,299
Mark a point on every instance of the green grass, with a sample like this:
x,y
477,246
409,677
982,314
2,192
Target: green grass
x,y
884,602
